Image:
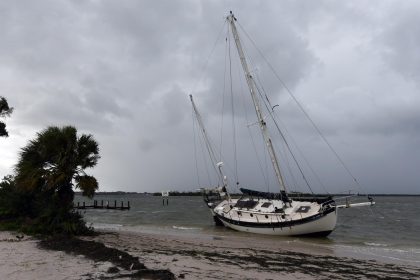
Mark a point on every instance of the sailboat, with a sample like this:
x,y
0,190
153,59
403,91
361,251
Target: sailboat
x,y
265,212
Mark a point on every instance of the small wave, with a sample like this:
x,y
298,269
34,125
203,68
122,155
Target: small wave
x,y
185,228
375,244
106,226
162,211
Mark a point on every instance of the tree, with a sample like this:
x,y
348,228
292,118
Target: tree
x,y
47,170
53,163
5,111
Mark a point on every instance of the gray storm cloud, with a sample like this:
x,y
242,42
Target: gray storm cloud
x,y
122,71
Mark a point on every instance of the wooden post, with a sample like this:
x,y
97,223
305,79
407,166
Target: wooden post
x,y
83,204
128,204
115,204
102,204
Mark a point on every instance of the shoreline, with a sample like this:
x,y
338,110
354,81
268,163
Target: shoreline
x,y
237,258
184,257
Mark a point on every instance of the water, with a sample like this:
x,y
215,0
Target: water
x,y
389,231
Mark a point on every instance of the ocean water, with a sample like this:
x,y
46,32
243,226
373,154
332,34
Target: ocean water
x,y
388,231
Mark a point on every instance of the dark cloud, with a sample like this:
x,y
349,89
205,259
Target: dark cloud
x,y
122,71
401,39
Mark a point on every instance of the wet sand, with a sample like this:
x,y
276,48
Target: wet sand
x,y
207,257
133,255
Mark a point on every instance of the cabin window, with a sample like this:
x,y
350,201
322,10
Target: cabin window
x,y
266,204
249,204
303,209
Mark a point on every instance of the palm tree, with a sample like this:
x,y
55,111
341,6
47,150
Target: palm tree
x,y
5,111
55,162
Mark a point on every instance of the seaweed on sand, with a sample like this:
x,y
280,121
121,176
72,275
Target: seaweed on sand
x,y
98,252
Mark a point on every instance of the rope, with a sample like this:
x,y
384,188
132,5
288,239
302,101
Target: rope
x,y
208,58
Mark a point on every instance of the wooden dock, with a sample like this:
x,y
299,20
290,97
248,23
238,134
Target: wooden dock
x,y
107,205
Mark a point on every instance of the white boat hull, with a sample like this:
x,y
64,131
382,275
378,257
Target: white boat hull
x,y
319,225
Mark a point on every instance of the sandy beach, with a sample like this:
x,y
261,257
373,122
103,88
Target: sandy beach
x,y
186,257
21,259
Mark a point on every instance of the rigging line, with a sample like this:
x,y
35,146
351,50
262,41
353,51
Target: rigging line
x,y
257,85
256,101
291,137
269,109
265,176
207,140
223,95
205,162
195,147
260,84
208,58
212,156
289,168
233,115
293,141
272,109
251,136
206,168
303,110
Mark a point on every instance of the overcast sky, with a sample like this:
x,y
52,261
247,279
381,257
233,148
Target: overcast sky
x,y
122,71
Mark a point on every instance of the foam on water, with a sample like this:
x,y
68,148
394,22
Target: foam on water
x,y
375,244
107,226
186,228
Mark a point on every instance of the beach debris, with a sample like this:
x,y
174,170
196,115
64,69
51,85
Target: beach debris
x,y
113,270
19,237
98,252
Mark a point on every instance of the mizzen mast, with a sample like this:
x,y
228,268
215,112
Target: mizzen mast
x,y
210,150
252,89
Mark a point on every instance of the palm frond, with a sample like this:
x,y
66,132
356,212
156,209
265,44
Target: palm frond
x,y
87,184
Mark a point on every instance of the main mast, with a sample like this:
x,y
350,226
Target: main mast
x,y
252,89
